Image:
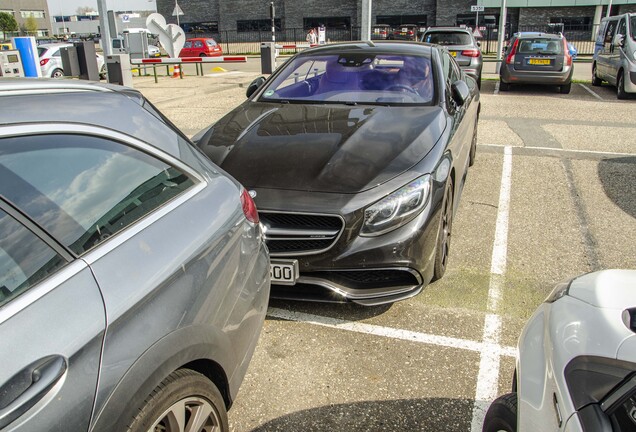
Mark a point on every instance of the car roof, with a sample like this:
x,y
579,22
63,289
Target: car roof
x,y
55,45
379,47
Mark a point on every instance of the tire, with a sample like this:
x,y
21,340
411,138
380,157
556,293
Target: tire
x,y
204,405
57,73
203,55
620,86
503,86
565,89
596,81
502,414
444,234
479,82
473,145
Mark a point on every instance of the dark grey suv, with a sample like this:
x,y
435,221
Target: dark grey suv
x,y
133,275
461,45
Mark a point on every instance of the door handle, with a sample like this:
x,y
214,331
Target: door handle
x,y
28,386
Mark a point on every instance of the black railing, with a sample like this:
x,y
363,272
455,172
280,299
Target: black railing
x,y
235,42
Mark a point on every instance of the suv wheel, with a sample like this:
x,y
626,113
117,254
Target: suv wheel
x,y
596,81
502,414
503,86
620,86
186,400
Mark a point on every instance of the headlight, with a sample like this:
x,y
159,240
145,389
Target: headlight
x,y
559,291
398,208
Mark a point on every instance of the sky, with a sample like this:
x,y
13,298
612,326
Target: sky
x,y
69,7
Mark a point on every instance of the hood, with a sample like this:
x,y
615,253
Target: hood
x,y
321,148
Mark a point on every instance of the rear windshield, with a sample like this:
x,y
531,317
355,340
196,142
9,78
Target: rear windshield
x,y
448,38
540,46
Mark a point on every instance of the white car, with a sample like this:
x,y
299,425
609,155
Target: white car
x,y
577,360
51,60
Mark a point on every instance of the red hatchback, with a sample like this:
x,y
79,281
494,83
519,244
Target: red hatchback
x,y
201,47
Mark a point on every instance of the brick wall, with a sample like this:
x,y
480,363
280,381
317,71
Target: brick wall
x,y
541,16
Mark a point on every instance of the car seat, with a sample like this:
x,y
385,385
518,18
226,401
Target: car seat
x,y
553,47
338,78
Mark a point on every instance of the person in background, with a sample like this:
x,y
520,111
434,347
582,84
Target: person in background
x,y
312,37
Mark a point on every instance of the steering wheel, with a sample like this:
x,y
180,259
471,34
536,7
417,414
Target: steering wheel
x,y
403,87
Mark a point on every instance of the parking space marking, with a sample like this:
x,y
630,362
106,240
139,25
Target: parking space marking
x,y
391,333
592,92
557,152
488,377
496,88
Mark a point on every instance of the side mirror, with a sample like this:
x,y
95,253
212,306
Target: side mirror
x,y
254,85
460,92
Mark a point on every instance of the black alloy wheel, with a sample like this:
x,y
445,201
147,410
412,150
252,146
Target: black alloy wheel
x,y
444,234
565,89
503,86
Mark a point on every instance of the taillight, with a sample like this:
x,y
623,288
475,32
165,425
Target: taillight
x,y
470,53
410,32
510,57
566,51
249,208
44,61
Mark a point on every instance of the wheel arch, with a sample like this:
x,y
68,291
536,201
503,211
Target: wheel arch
x,y
203,349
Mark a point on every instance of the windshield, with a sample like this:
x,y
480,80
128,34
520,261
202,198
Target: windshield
x,y
540,46
632,27
448,38
355,78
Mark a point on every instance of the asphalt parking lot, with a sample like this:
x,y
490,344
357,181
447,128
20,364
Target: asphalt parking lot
x,y
552,195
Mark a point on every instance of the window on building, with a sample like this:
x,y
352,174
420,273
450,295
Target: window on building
x,y
573,23
8,11
32,13
328,22
201,27
256,25
397,20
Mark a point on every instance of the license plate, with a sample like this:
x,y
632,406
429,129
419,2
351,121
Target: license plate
x,y
283,272
539,61
453,53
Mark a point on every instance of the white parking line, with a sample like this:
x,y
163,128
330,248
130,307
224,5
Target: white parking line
x,y
392,333
592,92
488,377
496,88
562,150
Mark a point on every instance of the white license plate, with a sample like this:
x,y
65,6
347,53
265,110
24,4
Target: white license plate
x,y
283,272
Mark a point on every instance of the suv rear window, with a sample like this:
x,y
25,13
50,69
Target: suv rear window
x,y
540,46
448,38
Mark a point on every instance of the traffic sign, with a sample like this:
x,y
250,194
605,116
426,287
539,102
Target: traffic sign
x,y
125,18
476,8
477,33
177,10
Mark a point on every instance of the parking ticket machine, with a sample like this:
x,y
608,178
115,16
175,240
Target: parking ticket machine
x,y
11,64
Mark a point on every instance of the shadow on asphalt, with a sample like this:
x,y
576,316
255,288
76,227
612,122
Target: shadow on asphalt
x,y
345,311
617,177
438,414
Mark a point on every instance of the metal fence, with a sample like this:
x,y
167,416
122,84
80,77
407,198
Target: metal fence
x,y
235,42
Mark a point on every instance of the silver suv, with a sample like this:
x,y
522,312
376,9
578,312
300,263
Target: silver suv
x,y
134,279
462,45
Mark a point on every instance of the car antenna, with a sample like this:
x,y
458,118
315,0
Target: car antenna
x,y
370,43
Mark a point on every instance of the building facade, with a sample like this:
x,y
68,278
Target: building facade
x,y
23,9
250,15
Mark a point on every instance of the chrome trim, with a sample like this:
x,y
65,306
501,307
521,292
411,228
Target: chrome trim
x,y
41,289
82,129
306,234
313,252
362,294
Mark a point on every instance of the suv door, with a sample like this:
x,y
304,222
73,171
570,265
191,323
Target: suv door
x,y
52,323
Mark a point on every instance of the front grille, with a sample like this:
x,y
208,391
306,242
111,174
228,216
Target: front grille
x,y
293,234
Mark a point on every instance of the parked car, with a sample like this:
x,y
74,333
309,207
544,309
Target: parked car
x,y
615,55
51,60
357,154
577,358
154,51
134,280
201,47
404,32
381,31
537,58
461,44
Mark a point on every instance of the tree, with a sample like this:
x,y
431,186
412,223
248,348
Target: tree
x,y
31,25
84,10
7,23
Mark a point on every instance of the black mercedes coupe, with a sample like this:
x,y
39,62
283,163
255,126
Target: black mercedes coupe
x,y
356,155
